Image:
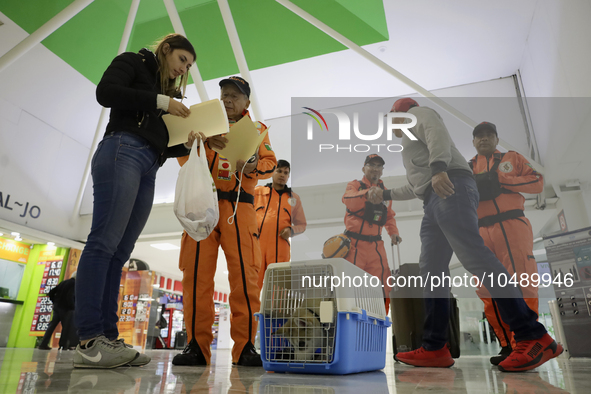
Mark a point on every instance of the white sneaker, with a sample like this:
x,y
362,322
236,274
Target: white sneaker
x,y
85,381
142,359
103,354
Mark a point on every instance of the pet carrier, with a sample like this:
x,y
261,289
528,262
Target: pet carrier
x,y
322,316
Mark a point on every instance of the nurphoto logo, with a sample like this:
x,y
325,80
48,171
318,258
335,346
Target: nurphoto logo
x,y
344,130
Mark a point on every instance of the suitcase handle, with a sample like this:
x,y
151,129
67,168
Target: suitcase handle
x,y
396,266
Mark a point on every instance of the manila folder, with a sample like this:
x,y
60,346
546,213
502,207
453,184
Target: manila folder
x,y
243,141
208,117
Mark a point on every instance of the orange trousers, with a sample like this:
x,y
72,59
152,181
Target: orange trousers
x,y
272,254
371,257
198,262
512,242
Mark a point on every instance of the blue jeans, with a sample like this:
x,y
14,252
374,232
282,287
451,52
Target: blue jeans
x,y
451,225
123,172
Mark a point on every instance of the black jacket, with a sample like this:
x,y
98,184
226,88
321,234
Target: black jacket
x,y
130,86
63,295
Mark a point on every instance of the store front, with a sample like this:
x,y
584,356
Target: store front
x,y
13,261
28,272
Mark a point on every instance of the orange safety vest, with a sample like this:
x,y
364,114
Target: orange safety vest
x,y
284,211
354,199
515,176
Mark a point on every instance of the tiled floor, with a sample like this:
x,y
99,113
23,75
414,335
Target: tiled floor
x,y
37,371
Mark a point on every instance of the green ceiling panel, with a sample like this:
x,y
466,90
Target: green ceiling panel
x,y
269,33
371,12
32,14
205,29
89,41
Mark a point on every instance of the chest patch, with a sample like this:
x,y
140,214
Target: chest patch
x,y
224,169
506,167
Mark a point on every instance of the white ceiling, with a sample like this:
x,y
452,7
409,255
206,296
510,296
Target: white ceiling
x,y
49,115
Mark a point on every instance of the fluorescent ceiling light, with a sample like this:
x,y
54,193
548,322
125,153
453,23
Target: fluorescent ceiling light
x,y
17,238
165,246
15,233
51,244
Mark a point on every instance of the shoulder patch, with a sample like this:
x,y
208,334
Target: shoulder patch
x,y
260,126
268,147
532,167
506,167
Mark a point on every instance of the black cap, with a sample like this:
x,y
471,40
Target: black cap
x,y
373,157
239,82
485,126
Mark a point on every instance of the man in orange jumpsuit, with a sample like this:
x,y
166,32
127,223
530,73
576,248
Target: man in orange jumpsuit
x,y
279,215
238,239
506,231
364,221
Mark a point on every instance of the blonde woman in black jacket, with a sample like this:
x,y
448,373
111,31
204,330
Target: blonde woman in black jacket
x,y
139,88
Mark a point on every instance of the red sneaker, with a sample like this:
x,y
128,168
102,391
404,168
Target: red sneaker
x,y
427,358
531,354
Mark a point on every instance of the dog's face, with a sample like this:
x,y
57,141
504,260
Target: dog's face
x,y
304,332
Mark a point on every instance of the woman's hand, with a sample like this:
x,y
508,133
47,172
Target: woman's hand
x,y
194,138
178,109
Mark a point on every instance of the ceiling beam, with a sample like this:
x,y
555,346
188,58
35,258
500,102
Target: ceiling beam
x,y
42,33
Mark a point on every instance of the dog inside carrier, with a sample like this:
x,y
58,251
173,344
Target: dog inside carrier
x,y
299,317
309,324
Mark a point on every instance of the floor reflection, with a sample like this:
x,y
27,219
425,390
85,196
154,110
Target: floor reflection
x,y
366,382
36,371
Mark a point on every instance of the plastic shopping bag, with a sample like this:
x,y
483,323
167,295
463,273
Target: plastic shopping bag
x,y
196,199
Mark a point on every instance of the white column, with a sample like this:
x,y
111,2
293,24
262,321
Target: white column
x,y
239,55
179,29
103,117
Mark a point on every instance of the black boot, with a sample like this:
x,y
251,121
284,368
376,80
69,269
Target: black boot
x,y
249,357
504,353
191,355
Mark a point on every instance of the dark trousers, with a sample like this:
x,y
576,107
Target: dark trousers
x,y
123,173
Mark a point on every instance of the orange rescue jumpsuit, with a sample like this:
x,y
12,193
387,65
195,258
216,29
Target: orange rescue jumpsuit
x,y
368,254
239,241
511,240
276,211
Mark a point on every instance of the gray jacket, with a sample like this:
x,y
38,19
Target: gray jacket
x,y
434,152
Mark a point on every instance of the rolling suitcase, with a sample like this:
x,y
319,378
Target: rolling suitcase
x,y
407,308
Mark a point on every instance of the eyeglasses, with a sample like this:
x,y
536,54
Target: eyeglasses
x,y
375,165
